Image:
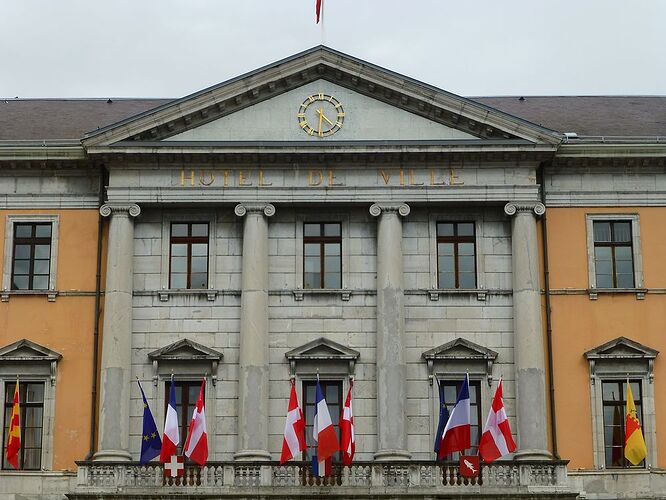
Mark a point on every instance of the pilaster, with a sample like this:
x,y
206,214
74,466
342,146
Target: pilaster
x,y
391,366
113,440
528,332
253,357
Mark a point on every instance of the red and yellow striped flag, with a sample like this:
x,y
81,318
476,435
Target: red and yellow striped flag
x,y
634,445
14,438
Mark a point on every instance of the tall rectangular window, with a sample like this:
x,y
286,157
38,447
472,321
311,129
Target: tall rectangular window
x,y
186,399
615,410
189,255
451,389
613,255
31,262
31,397
333,394
456,255
322,255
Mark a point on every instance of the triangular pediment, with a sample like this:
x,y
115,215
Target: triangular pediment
x,y
262,106
621,348
26,350
460,349
185,350
322,349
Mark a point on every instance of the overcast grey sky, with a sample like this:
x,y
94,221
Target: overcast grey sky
x,y
170,48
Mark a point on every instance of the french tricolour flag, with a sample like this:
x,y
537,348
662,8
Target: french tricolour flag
x,y
323,434
456,435
171,437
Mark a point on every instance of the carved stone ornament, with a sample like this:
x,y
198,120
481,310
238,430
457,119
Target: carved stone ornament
x,y
132,209
512,208
243,208
379,208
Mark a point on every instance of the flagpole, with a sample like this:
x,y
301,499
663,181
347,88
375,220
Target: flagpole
x,y
323,31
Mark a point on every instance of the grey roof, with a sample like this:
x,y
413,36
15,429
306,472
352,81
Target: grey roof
x,y
35,119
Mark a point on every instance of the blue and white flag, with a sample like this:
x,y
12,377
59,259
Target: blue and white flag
x,y
151,444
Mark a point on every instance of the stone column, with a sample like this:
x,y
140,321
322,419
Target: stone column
x,y
528,333
115,383
391,367
253,362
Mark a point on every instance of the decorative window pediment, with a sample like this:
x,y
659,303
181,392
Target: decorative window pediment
x,y
622,355
464,354
185,353
25,352
322,352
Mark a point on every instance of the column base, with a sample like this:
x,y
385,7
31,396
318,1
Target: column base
x,y
392,455
112,456
252,456
533,454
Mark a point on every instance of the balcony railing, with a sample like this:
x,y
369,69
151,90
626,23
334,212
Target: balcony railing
x,y
296,479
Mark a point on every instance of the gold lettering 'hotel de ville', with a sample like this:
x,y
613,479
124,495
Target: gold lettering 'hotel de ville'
x,y
323,217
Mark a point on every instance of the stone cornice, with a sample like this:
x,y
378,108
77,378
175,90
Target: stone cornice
x,y
513,208
254,208
129,209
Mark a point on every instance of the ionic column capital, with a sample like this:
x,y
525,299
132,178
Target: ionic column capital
x,y
513,208
254,208
130,209
378,209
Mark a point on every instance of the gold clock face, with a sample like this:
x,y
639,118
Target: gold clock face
x,y
321,115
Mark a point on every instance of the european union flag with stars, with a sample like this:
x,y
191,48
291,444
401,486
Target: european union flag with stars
x,y
151,444
443,419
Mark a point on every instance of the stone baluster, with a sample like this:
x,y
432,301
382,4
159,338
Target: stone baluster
x,y
528,332
391,366
253,362
113,438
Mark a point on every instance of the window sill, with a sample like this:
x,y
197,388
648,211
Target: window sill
x,y
209,294
300,293
594,292
436,292
50,294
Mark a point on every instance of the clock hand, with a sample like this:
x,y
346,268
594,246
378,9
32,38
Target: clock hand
x,y
329,121
321,118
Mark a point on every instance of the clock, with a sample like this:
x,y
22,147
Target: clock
x,y
320,115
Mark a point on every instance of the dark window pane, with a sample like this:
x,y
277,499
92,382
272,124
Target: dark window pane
x,y
311,280
41,267
466,229
466,264
466,249
43,231
332,249
34,393
23,230
332,280
179,230
178,264
444,229
312,264
21,267
178,250
179,281
602,232
331,229
447,280
445,248
199,264
332,264
40,283
199,280
467,280
312,230
22,252
312,249
20,283
200,230
611,391
200,249
622,231
42,251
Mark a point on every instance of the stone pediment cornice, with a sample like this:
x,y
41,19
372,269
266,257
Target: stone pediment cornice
x,y
185,350
621,348
321,63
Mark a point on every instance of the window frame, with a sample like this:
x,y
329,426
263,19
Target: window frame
x,y
322,241
23,405
183,426
189,240
309,381
8,269
622,403
634,219
456,240
457,382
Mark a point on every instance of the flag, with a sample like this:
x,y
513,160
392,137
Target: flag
x,y
14,436
318,9
294,429
634,445
496,440
456,434
347,438
196,444
171,436
323,468
443,419
617,453
151,444
323,432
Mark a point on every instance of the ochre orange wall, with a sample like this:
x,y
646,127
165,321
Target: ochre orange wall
x,y
66,326
580,324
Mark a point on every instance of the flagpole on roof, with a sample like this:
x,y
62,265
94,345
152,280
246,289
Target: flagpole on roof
x,y
323,31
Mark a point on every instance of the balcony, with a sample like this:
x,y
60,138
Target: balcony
x,y
411,479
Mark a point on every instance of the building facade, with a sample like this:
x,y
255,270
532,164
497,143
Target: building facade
x,y
323,218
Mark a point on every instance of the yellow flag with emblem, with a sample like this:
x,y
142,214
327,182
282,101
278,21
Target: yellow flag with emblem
x,y
634,445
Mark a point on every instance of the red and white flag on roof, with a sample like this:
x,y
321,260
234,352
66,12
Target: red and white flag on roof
x,y
196,444
347,438
318,9
294,429
496,440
